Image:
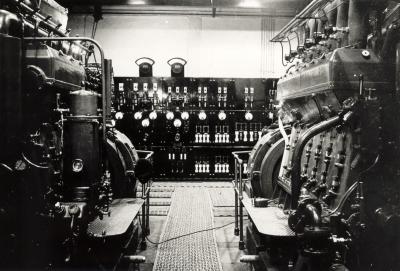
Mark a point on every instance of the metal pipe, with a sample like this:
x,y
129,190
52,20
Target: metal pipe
x,y
312,26
358,22
9,23
388,49
294,22
39,18
331,13
320,25
342,14
103,76
298,151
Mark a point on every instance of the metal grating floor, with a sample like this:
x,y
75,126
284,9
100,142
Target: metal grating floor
x,y
190,211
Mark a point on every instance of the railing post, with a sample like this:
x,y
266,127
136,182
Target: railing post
x,y
148,210
241,242
143,244
236,231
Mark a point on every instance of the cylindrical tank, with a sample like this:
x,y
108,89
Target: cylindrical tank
x,y
81,146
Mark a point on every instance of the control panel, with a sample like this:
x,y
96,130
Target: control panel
x,y
193,124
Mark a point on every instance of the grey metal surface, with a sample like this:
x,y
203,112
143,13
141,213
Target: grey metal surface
x,y
270,221
122,213
222,197
190,211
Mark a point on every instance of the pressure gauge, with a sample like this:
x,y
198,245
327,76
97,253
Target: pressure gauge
x,y
169,115
185,115
248,116
138,115
77,165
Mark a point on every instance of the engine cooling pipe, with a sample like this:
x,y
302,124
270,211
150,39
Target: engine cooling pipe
x,y
331,13
358,22
312,27
10,24
298,151
342,14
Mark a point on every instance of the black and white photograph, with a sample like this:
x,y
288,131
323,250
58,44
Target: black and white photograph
x,y
200,135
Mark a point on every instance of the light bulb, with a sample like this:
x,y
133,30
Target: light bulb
x,y
170,115
185,115
222,115
138,115
177,123
153,115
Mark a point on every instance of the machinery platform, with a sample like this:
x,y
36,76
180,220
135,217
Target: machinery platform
x,y
122,213
271,221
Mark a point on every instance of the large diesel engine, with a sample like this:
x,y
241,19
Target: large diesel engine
x,y
323,186
68,177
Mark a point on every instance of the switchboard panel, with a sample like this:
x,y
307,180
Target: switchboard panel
x,y
193,124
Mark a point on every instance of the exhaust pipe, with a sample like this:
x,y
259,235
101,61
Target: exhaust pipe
x,y
342,14
358,22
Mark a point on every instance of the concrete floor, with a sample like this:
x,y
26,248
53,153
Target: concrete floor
x,y
226,241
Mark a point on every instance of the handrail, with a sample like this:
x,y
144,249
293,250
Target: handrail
x,y
237,153
149,153
239,195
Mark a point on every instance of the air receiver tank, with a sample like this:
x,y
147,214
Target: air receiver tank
x,y
81,145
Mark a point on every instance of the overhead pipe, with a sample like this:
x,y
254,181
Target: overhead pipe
x,y
306,12
312,27
296,181
10,24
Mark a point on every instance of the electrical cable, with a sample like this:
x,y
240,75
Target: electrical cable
x,y
184,235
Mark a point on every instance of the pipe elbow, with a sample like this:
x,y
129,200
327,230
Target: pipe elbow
x,y
10,24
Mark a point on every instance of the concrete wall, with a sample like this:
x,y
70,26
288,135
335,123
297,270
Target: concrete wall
x,y
213,47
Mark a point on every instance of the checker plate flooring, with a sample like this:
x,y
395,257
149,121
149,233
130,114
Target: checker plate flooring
x,y
190,211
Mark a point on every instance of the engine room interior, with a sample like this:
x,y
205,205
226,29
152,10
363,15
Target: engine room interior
x,y
200,135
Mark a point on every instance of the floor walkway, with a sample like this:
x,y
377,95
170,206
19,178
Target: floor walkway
x,y
195,207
